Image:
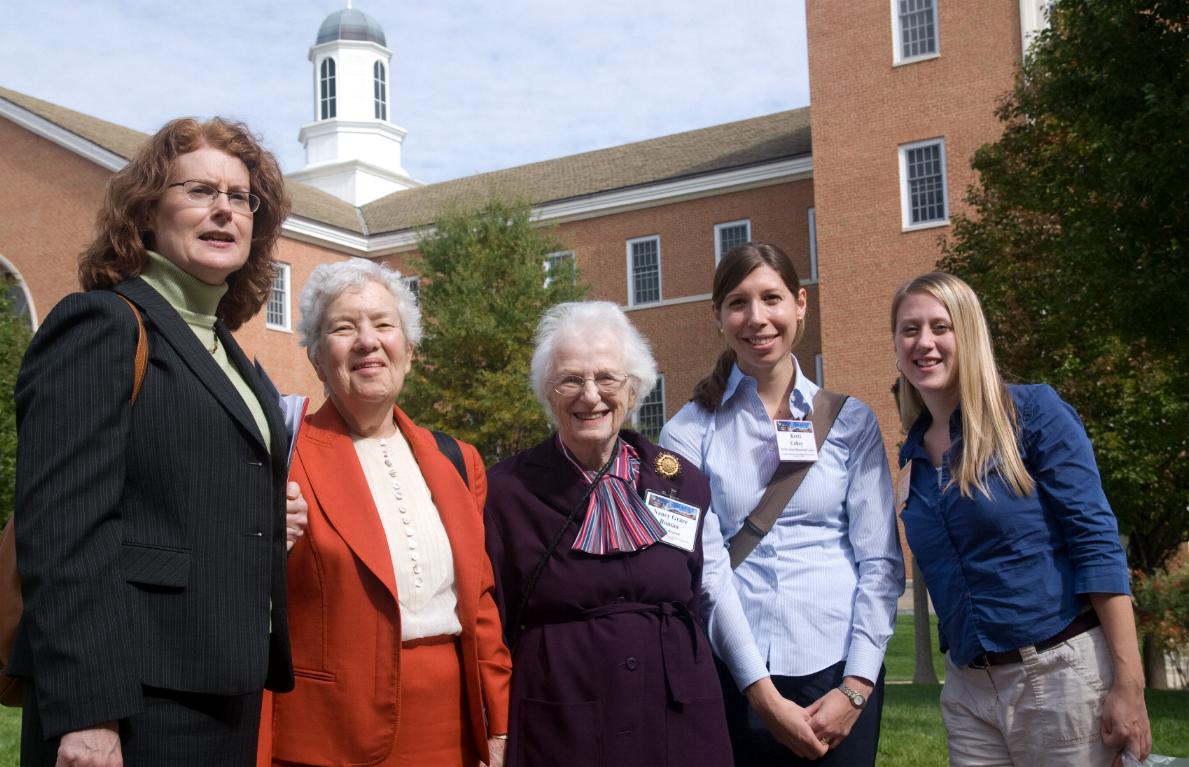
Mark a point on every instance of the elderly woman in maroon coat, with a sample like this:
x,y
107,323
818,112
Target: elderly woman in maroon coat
x,y
595,537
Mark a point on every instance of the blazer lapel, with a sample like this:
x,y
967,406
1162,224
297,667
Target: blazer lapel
x,y
278,437
170,326
342,492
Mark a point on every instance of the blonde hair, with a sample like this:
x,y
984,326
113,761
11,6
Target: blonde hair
x,y
989,420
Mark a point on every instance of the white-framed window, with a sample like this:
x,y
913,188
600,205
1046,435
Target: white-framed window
x,y
914,30
327,100
730,234
644,270
1034,18
812,216
922,184
561,261
819,373
651,415
413,283
276,311
380,90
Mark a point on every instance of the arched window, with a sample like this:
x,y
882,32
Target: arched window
x,y
16,297
326,99
380,90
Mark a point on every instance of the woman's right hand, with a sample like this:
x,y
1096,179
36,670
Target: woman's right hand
x,y
788,722
94,747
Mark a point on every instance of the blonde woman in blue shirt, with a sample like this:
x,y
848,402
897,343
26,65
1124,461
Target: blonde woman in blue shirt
x,y
1019,548
803,623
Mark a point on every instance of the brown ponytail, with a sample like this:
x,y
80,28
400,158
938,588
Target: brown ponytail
x,y
708,392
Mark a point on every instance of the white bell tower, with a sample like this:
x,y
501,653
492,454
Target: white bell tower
x,y
352,149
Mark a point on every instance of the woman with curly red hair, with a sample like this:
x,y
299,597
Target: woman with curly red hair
x,y
151,525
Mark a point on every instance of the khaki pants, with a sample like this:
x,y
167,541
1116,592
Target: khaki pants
x,y
1042,712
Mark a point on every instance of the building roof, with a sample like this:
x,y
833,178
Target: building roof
x,y
682,155
756,141
350,24
308,202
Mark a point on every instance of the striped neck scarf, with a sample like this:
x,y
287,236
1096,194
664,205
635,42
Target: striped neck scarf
x,y
616,519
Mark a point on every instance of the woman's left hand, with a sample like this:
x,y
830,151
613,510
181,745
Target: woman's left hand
x,y
1125,723
496,747
832,715
296,514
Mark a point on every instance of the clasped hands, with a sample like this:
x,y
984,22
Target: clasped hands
x,y
807,732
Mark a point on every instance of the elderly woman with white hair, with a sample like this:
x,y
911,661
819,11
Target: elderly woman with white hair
x,y
595,537
397,646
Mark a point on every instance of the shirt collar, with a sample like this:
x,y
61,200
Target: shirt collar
x,y
800,398
914,442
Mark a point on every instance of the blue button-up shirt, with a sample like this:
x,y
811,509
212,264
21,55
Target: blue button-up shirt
x,y
822,585
1008,571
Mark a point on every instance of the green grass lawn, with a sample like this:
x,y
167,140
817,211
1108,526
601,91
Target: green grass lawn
x,y
911,734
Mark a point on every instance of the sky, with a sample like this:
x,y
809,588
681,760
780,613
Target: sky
x,y
478,85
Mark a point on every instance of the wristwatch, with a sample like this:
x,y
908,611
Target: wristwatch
x,y
857,699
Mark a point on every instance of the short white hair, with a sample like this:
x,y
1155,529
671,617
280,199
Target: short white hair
x,y
329,281
590,319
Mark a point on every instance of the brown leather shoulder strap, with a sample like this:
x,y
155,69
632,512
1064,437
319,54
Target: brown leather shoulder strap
x,y
785,481
141,361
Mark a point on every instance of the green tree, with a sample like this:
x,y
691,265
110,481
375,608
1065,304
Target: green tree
x,y
484,286
14,337
1076,245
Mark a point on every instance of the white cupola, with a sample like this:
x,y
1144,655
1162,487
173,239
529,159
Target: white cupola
x,y
352,150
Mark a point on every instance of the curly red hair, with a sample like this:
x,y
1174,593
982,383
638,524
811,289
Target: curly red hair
x,y
118,250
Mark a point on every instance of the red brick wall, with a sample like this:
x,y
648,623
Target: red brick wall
x,y
48,203
863,108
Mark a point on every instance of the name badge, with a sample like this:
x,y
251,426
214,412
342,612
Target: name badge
x,y
680,519
794,440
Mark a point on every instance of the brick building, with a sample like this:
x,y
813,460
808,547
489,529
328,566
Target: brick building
x,y
902,94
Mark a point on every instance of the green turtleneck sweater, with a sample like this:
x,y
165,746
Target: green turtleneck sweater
x,y
197,302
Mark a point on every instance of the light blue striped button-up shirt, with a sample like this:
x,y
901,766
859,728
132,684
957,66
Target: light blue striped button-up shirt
x,y
822,585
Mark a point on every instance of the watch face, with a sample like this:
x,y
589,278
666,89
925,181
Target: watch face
x,y
859,700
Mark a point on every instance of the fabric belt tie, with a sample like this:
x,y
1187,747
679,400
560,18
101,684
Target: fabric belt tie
x,y
1079,625
676,624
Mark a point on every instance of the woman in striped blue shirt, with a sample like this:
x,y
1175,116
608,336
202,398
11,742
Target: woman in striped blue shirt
x,y
816,599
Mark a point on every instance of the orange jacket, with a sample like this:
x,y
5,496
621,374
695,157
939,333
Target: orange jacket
x,y
344,620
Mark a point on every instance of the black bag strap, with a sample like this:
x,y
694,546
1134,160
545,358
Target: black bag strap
x,y
448,446
515,628
785,481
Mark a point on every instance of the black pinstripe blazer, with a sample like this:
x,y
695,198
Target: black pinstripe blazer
x,y
151,538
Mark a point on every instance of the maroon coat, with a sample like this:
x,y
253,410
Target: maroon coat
x,y
613,666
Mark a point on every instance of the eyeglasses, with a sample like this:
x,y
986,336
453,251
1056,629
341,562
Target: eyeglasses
x,y
606,383
205,194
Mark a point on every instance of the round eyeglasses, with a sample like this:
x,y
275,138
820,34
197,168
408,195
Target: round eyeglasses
x,y
606,383
201,193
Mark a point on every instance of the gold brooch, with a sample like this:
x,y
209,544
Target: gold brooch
x,y
667,465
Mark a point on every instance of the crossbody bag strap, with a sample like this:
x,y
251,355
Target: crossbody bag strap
x,y
785,481
141,360
514,629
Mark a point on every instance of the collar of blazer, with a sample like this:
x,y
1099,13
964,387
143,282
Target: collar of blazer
x,y
340,490
170,326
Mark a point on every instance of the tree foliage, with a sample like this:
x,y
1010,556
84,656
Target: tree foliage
x,y
483,291
14,337
1076,245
